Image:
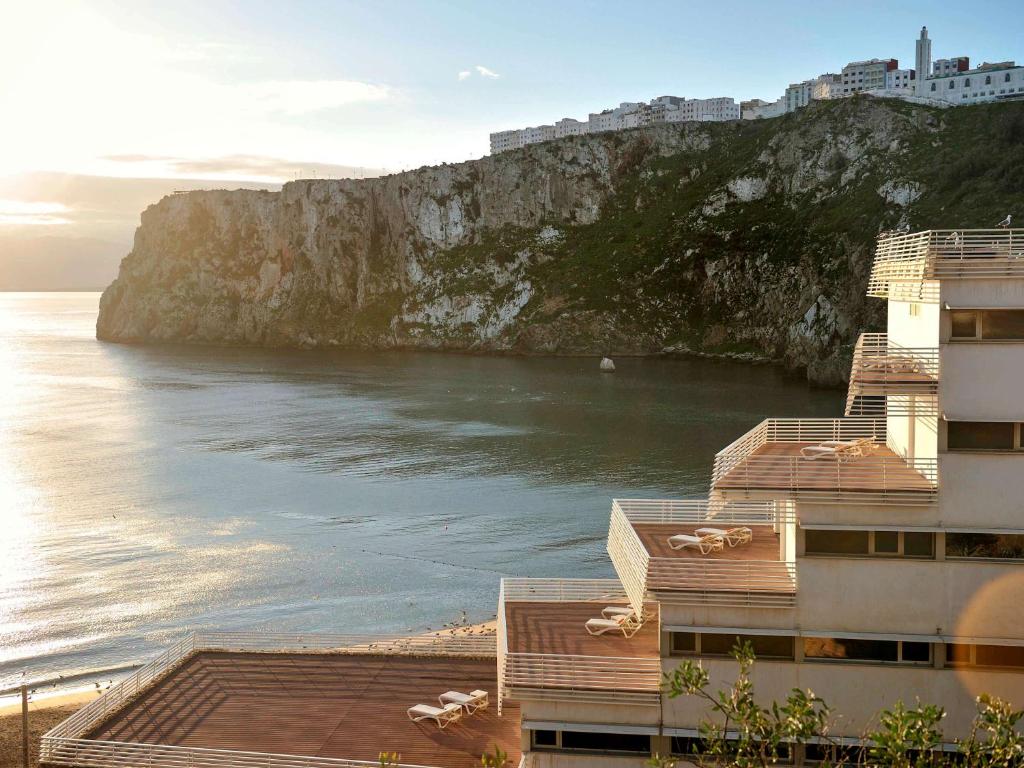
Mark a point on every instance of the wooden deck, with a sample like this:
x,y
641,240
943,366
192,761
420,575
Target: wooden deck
x,y
655,536
558,628
780,467
328,705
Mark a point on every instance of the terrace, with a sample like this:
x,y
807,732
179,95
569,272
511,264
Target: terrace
x,y
906,267
761,573
768,463
888,378
316,702
545,651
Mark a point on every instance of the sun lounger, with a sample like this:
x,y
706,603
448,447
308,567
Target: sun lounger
x,y
627,625
471,702
840,450
733,536
705,544
617,610
443,716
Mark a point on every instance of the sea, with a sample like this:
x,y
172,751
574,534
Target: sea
x,y
147,491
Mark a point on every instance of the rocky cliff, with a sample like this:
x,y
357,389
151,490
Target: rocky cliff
x,y
749,238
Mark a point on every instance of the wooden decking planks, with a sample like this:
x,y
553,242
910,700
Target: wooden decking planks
x,y
779,466
558,628
328,705
655,536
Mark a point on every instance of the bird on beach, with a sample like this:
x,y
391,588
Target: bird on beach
x,y
1005,223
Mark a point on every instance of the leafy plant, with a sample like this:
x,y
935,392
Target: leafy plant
x,y
389,759
497,760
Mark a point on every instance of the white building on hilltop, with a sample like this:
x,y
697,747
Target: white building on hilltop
x,y
629,114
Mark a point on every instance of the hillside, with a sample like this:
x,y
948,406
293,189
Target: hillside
x,y
746,238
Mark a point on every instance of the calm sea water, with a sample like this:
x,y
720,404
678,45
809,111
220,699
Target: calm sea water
x,y
148,491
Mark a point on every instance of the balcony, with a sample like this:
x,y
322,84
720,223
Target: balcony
x,y
889,378
545,652
906,267
754,575
252,701
767,463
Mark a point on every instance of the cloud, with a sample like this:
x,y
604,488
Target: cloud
x,y
245,167
485,72
303,96
464,74
32,214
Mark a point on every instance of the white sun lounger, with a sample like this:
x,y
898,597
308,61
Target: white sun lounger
x,y
617,610
627,625
732,536
443,716
840,450
471,702
706,544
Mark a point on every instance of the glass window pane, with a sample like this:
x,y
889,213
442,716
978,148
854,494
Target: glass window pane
x,y
887,542
999,656
545,739
958,654
988,545
964,324
606,742
714,644
919,652
851,649
836,542
684,643
1002,324
979,435
772,646
919,544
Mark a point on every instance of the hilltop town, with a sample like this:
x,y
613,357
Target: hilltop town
x,y
945,82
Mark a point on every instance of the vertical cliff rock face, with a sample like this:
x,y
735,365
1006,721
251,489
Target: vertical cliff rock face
x,y
750,239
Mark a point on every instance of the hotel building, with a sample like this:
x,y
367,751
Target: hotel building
x,y
877,556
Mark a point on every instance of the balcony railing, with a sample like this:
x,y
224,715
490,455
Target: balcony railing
x,y
683,580
599,679
562,590
887,378
767,463
907,266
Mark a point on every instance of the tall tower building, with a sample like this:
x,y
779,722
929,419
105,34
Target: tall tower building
x,y
923,61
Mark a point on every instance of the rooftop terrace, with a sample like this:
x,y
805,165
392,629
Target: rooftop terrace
x,y
334,704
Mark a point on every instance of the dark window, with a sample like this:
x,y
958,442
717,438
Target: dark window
x,y
692,745
765,646
851,649
933,86
545,738
967,83
1002,324
683,643
985,545
887,542
917,652
834,755
979,436
606,742
965,324
961,655
918,544
988,79
1006,77
835,542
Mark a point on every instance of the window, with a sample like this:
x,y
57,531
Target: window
x,y
581,741
963,655
721,645
982,436
988,79
870,543
933,86
845,649
967,83
1002,324
1006,77
835,755
691,745
915,309
964,324
985,546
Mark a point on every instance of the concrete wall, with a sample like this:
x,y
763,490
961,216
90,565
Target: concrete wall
x,y
982,381
981,490
581,712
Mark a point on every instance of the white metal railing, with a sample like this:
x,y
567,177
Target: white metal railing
x,y
624,680
119,754
735,583
692,581
868,479
561,590
66,738
698,511
906,266
887,378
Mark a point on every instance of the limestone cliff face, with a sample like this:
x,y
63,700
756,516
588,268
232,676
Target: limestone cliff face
x,y
750,239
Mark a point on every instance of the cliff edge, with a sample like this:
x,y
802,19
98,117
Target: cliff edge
x,y
750,239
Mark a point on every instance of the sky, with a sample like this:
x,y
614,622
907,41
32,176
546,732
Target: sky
x,y
264,92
